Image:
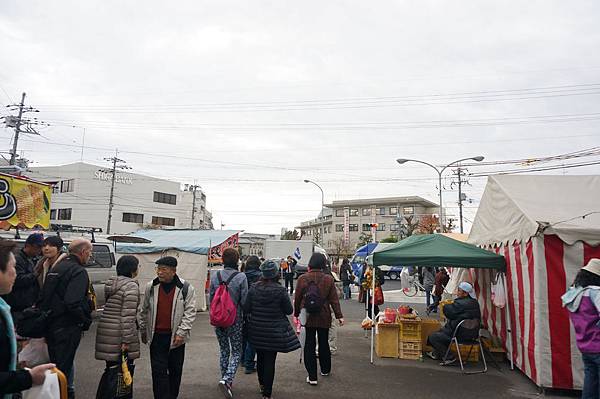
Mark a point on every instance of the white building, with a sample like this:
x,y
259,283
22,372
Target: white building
x,y
82,191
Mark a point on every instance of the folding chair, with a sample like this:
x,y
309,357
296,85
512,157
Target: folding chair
x,y
468,325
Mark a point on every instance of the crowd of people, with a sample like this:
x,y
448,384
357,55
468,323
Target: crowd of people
x,y
45,285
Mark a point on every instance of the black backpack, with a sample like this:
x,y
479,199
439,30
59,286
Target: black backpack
x,y
313,302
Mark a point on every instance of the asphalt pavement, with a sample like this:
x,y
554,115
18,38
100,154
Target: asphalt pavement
x,y
353,376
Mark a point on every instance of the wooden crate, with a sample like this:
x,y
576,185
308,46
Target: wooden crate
x,y
386,340
410,330
464,351
410,350
428,326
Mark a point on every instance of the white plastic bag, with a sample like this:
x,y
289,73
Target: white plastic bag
x,y
49,390
499,291
404,278
35,353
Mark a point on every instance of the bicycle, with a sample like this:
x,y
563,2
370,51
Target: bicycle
x,y
414,288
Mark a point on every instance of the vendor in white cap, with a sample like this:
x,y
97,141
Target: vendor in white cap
x,y
464,307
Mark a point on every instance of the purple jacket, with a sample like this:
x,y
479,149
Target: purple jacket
x,y
584,308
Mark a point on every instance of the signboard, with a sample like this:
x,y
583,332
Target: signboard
x,y
346,226
215,253
24,203
106,175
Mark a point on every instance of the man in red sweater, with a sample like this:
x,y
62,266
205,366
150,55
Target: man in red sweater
x,y
166,318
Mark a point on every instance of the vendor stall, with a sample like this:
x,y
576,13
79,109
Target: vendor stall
x,y
547,228
436,250
190,247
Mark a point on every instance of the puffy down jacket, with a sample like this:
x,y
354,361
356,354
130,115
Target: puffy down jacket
x,y
118,323
267,307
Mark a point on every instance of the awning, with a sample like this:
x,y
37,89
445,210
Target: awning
x,y
437,250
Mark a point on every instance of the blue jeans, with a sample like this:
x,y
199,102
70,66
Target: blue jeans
x,y
248,359
591,383
428,298
346,289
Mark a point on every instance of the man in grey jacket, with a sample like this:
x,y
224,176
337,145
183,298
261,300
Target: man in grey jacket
x,y
166,318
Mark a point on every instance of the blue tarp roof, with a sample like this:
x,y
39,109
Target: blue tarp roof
x,y
194,241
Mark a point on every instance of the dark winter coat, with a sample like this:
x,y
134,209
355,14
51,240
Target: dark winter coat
x,y
461,309
26,289
441,280
65,294
268,306
118,324
329,294
346,273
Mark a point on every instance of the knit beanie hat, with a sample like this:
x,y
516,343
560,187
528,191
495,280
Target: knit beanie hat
x,y
269,269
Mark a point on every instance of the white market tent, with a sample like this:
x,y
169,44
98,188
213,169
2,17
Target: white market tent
x,y
547,228
190,247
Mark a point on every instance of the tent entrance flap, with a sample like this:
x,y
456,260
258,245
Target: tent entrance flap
x,y
438,251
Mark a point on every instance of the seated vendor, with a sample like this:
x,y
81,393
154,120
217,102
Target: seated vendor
x,y
464,307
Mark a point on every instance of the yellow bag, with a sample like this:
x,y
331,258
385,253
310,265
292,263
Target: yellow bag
x,y
127,379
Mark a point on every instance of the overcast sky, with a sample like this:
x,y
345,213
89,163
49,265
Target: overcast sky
x,y
248,98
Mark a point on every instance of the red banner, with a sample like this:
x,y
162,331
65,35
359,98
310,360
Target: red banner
x,y
216,252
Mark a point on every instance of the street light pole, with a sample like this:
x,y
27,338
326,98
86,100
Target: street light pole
x,y
440,172
321,236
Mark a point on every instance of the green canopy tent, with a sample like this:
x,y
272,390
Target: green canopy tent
x,y
435,250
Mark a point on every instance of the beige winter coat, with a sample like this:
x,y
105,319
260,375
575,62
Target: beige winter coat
x,y
118,323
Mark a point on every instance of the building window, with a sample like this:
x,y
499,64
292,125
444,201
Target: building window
x,y
353,227
393,227
339,227
133,217
354,212
165,198
366,227
52,214
64,214
381,227
339,213
160,221
408,210
393,210
366,212
66,186
380,211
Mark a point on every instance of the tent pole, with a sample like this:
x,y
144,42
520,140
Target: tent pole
x,y
373,313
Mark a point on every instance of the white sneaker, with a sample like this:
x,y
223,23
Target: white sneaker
x,y
308,381
325,374
225,389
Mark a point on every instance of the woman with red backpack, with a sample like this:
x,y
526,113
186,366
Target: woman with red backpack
x,y
316,292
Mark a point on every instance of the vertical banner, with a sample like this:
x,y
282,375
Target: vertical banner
x,y
373,221
346,226
215,254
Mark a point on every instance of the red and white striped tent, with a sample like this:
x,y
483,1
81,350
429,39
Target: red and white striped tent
x,y
548,228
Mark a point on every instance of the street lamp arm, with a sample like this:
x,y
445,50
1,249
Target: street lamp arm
x,y
402,160
479,159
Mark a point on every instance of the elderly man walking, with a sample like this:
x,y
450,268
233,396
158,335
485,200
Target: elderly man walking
x,y
166,318
66,294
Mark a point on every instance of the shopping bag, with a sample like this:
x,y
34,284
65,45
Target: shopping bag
x,y
50,389
499,291
378,296
116,381
35,352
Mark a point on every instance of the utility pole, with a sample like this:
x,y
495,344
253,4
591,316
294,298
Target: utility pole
x,y
194,209
21,125
13,154
460,172
115,161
